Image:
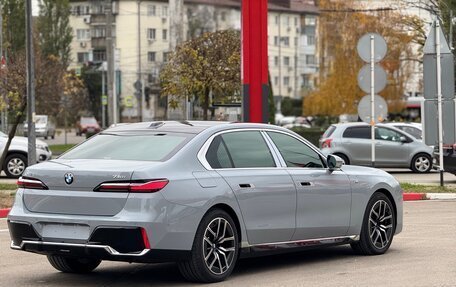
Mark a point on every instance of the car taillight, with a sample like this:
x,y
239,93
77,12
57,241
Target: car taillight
x,y
30,183
326,143
145,238
134,187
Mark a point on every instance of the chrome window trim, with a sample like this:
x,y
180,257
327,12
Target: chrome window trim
x,y
204,149
279,161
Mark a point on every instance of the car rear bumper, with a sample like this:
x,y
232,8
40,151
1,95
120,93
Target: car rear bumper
x,y
100,245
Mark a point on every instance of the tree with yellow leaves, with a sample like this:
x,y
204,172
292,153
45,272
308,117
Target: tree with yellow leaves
x,y
340,28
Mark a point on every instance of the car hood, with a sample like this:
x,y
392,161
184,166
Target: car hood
x,y
363,170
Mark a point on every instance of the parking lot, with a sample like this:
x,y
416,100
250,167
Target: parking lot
x,y
424,254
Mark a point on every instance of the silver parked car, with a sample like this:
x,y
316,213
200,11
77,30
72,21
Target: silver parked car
x,y
202,194
393,148
44,127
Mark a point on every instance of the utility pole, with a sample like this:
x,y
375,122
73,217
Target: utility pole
x,y
176,36
30,85
1,60
112,105
139,91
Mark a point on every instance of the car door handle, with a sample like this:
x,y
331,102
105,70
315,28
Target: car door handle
x,y
306,183
246,185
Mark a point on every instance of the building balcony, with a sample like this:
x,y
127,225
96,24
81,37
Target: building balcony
x,y
98,42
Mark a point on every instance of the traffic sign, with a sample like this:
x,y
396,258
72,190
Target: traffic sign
x,y
364,50
364,78
104,100
380,108
128,101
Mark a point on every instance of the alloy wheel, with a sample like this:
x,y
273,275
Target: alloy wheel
x,y
219,246
16,166
422,163
380,224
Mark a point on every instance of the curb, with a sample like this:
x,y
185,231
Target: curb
x,y
4,212
414,196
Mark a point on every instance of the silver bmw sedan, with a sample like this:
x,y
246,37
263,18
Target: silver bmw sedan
x,y
202,194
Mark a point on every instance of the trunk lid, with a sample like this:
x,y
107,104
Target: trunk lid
x,y
78,197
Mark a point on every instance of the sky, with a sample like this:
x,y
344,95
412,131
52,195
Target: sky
x,y
35,10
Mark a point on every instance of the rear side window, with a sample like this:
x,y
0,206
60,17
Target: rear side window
x,y
358,132
239,150
150,147
412,131
329,132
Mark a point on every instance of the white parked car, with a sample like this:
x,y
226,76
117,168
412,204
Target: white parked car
x,y
16,159
44,127
414,129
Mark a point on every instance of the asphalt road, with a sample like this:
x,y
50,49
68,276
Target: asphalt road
x,y
424,254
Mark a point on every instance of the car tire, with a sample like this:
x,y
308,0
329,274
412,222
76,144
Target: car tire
x,y
73,265
14,165
214,254
53,136
344,157
377,230
421,163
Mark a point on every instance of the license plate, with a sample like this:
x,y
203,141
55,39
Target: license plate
x,y
90,130
66,231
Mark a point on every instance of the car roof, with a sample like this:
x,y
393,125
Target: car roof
x,y
192,127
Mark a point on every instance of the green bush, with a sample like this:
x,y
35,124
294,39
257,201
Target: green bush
x,y
312,134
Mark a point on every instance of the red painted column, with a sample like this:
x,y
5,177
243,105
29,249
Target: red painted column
x,y
255,61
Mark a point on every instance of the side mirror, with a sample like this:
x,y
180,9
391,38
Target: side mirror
x,y
334,162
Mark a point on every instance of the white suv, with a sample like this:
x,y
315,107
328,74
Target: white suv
x,y
16,159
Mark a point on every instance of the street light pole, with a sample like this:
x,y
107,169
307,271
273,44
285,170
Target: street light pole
x,y
30,85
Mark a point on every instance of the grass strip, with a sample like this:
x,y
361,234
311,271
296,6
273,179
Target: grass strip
x,y
421,188
58,149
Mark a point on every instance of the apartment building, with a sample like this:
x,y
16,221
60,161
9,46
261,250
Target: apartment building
x,y
292,41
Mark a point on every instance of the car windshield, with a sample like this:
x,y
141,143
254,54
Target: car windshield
x,y
150,147
88,121
41,120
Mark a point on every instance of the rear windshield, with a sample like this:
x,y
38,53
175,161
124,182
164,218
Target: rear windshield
x,y
150,147
329,132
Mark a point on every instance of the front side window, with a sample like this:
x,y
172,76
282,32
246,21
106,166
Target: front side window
x,y
387,135
246,149
296,153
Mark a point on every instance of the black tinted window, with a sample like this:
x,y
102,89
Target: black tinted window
x,y
358,132
329,132
294,152
217,155
248,149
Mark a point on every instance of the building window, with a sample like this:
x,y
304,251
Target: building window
x,y
99,32
286,61
151,56
286,21
83,57
296,21
99,55
79,10
165,11
286,81
83,34
310,20
165,57
276,41
276,60
286,41
223,16
151,34
310,60
165,34
296,41
310,40
277,20
276,81
98,9
151,10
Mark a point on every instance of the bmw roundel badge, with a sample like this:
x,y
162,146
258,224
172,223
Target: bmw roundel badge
x,y
69,178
